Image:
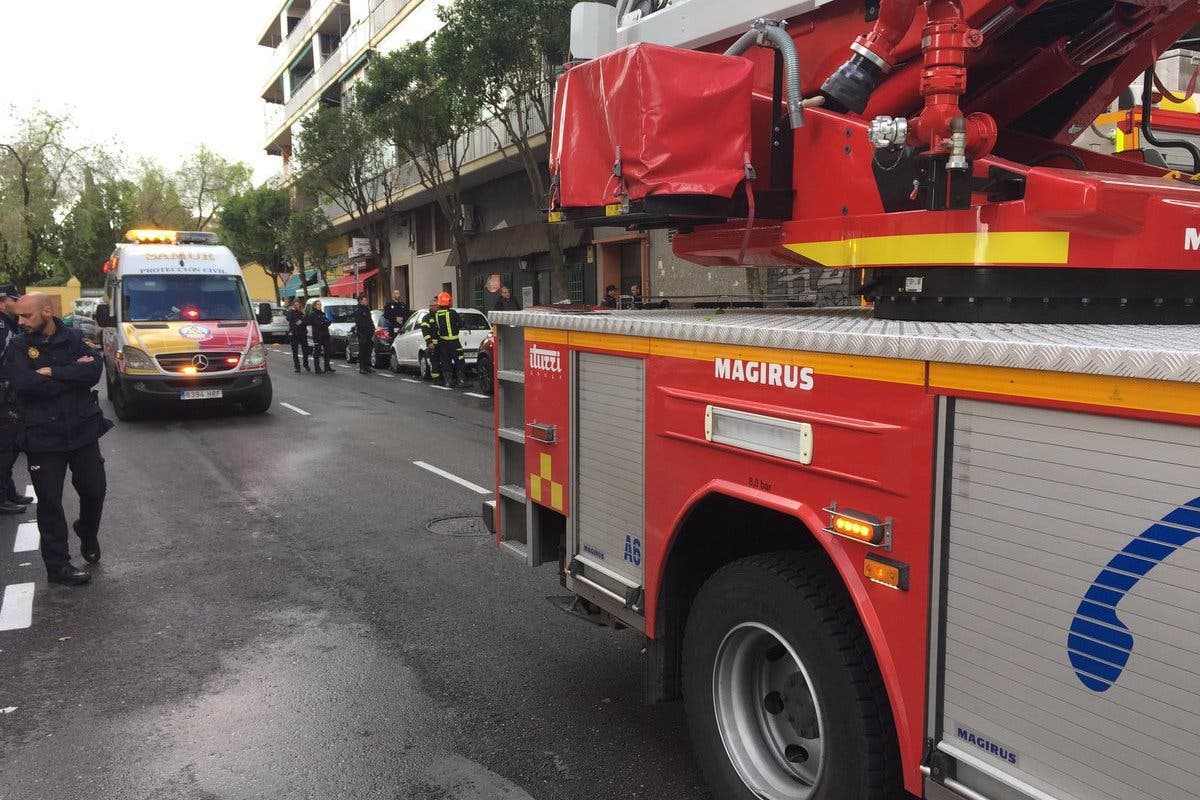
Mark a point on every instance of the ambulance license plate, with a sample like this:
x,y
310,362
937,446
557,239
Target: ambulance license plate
x,y
201,394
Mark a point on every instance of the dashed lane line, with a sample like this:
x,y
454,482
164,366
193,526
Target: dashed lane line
x,y
16,610
440,388
27,537
476,394
410,380
299,411
474,487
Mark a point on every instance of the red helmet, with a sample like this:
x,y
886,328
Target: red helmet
x,y
444,299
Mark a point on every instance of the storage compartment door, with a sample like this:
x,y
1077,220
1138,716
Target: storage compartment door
x,y
610,481
1072,605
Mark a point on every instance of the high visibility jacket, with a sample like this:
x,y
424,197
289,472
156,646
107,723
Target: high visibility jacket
x,y
429,330
447,324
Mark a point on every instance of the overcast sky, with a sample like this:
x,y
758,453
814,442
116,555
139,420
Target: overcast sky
x,y
158,77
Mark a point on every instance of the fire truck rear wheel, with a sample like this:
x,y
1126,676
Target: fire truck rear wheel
x,y
783,697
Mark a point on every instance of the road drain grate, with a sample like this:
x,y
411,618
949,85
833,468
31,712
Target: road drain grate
x,y
459,526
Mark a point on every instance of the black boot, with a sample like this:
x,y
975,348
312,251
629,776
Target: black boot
x,y
307,368
68,575
8,507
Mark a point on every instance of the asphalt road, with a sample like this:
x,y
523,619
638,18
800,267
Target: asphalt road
x,y
272,619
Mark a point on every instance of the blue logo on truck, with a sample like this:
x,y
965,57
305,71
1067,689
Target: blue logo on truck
x,y
1099,643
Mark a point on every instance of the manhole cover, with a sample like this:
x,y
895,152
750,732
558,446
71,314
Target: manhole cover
x,y
459,526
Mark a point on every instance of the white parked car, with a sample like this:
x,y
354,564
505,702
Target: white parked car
x,y
340,311
408,348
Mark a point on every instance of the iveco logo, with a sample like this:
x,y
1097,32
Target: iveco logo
x,y
200,361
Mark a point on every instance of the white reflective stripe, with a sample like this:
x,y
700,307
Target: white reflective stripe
x,y
474,487
16,610
27,537
29,492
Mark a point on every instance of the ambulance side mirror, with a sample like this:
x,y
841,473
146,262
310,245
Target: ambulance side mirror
x,y
264,313
104,317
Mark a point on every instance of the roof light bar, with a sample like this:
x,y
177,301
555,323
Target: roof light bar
x,y
156,236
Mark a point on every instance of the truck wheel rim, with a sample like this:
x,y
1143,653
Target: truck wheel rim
x,y
767,714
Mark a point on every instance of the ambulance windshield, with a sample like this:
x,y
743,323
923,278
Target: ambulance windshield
x,y
183,298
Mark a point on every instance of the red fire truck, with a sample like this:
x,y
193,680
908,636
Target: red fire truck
x,y
940,546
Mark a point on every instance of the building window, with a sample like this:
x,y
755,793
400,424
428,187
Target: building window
x,y
423,231
441,229
575,281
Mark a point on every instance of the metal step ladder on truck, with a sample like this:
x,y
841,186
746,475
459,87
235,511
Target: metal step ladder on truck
x,y
943,546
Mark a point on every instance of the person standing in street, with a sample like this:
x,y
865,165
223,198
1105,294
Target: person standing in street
x,y
395,312
298,332
52,370
364,330
10,418
429,331
318,323
447,324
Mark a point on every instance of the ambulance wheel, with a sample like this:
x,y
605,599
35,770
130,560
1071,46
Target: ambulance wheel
x,y
125,409
783,697
261,401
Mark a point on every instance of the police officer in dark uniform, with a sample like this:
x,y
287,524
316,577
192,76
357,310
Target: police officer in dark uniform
x,y
448,324
318,323
395,312
364,329
429,332
10,418
298,333
51,370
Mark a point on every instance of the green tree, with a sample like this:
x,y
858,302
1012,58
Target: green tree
x,y
205,181
40,173
98,220
157,203
506,52
254,225
414,98
347,165
305,239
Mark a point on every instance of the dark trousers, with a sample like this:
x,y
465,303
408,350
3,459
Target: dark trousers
x,y
10,429
320,352
299,345
450,356
48,471
366,354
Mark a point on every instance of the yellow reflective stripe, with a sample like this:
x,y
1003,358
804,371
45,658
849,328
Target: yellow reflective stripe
x,y
979,247
547,335
1167,397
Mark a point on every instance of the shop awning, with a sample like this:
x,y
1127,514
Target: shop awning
x,y
349,285
294,286
515,241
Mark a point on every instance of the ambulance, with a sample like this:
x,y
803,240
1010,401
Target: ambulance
x,y
178,326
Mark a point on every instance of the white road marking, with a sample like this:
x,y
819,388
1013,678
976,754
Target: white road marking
x,y
410,380
27,537
299,411
25,564
476,394
474,487
384,374
29,492
439,386
16,610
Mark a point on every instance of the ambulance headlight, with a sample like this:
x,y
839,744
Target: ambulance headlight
x,y
133,358
256,356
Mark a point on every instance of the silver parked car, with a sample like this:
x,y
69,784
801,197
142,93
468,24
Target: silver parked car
x,y
277,329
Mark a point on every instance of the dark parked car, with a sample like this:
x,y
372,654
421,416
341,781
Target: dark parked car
x,y
382,343
485,364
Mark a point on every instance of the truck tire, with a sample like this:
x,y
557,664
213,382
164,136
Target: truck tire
x,y
261,401
125,409
783,697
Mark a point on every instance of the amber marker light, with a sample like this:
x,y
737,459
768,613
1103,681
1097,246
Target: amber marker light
x,y
859,526
886,572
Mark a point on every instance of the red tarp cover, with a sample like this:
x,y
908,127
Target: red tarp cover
x,y
680,120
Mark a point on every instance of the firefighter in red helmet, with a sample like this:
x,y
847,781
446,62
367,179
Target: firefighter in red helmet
x,y
447,326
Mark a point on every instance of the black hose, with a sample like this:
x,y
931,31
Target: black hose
x,y
1148,131
1067,154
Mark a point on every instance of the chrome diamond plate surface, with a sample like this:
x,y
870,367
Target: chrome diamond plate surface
x,y
1158,352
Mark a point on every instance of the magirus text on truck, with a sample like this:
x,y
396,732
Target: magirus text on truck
x,y
941,546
